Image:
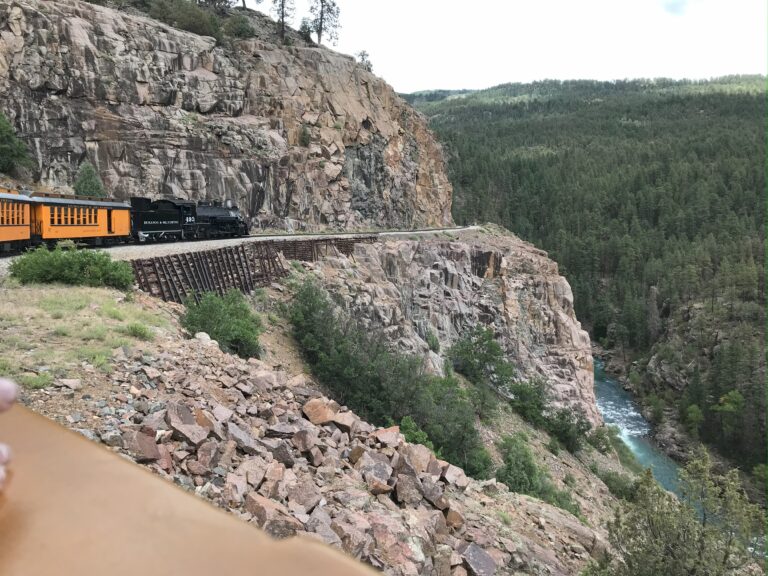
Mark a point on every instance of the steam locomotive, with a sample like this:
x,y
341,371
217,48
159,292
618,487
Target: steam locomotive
x,y
29,220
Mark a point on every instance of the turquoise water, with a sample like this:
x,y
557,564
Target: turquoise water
x,y
619,408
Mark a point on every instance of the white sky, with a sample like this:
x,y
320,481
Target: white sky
x,y
430,44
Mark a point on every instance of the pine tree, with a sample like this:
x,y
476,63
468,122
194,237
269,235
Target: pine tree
x,y
325,19
88,182
283,10
13,152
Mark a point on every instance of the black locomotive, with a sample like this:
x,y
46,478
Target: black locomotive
x,y
175,219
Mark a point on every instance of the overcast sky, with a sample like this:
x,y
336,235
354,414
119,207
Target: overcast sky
x,y
429,44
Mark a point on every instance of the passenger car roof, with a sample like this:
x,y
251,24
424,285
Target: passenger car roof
x,y
78,202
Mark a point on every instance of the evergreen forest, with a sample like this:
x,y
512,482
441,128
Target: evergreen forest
x,y
650,196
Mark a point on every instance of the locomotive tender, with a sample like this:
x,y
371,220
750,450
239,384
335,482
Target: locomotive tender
x,y
29,220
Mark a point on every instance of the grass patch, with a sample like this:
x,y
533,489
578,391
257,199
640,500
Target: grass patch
x,y
113,312
36,381
61,331
148,318
97,357
98,332
137,330
16,343
64,303
6,368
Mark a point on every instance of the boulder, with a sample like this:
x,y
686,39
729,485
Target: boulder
x,y
455,475
304,440
408,490
320,410
433,492
418,455
346,421
141,446
272,516
477,561
388,436
305,494
244,440
182,421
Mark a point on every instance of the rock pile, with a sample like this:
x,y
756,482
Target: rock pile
x,y
273,450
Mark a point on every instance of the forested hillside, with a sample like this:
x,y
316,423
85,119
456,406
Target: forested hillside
x,y
650,195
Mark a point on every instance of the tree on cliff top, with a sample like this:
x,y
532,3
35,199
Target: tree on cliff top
x,y
88,182
325,19
283,10
13,152
217,5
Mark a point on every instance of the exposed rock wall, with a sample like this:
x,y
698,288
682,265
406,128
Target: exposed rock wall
x,y
165,112
412,287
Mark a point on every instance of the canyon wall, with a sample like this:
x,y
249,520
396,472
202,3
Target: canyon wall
x,y
297,136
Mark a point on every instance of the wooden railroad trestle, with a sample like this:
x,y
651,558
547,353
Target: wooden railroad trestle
x,y
245,267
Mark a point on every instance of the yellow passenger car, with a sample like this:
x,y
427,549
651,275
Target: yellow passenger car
x,y
96,221
14,220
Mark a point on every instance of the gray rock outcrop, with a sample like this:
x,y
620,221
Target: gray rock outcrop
x,y
410,288
296,136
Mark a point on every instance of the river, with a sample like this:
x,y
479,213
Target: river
x,y
619,409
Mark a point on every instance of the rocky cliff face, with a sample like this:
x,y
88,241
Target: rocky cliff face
x,y
447,287
294,135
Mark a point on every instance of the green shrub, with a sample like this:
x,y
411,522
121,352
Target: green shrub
x,y
433,342
569,427
529,399
480,358
88,182
656,404
304,136
71,266
620,485
553,446
414,434
227,319
519,471
600,439
521,474
187,16
239,27
13,152
357,366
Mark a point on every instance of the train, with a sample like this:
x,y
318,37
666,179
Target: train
x,y
32,219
